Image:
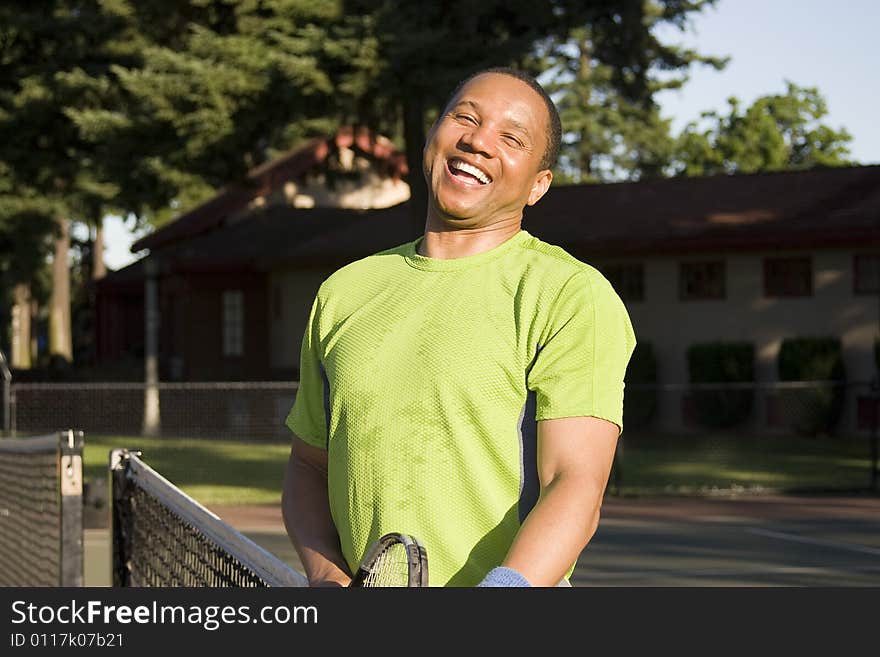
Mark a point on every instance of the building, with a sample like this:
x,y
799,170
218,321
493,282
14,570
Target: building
x,y
729,258
755,258
222,267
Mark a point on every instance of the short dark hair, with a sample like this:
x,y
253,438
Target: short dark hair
x,y
554,124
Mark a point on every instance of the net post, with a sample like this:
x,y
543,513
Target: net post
x,y
70,451
164,537
119,531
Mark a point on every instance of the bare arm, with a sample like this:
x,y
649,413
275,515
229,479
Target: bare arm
x,y
574,462
305,507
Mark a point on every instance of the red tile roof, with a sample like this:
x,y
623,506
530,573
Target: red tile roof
x,y
820,208
796,209
269,176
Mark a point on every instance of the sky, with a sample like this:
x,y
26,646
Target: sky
x,y
828,45
832,46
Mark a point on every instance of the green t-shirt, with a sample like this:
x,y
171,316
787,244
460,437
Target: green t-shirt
x,y
425,379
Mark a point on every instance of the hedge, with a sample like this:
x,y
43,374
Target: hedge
x,y
813,411
640,404
722,362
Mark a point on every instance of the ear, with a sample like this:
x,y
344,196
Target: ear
x,y
542,184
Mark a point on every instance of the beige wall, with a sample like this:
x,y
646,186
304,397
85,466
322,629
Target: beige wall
x,y
296,290
833,310
672,325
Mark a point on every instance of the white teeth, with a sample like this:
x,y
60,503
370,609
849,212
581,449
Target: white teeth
x,y
474,171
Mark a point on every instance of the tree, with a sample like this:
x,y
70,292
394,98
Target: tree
x,y
214,89
602,54
604,78
23,248
115,106
777,132
220,86
424,49
49,175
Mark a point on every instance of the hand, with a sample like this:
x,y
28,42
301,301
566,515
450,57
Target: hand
x,y
331,582
503,577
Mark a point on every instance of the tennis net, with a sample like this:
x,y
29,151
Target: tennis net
x,y
163,537
41,537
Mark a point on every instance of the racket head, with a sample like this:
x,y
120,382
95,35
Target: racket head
x,y
395,560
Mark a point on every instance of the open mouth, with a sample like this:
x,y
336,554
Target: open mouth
x,y
467,172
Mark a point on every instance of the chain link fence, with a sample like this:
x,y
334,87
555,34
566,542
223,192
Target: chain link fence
x,y
804,408
677,438
216,410
257,409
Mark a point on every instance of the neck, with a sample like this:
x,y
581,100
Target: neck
x,y
446,243
452,238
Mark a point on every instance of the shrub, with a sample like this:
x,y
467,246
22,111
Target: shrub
x,y
816,410
640,404
722,362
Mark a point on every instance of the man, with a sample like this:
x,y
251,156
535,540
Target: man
x,y
467,387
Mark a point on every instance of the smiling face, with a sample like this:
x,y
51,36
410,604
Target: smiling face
x,y
482,160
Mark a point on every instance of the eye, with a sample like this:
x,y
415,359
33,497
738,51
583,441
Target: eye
x,y
467,118
513,140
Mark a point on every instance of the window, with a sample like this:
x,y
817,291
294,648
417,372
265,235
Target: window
x,y
628,280
788,277
233,323
866,273
701,280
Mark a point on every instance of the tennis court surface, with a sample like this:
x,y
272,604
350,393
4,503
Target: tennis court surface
x,y
745,541
165,538
674,541
748,541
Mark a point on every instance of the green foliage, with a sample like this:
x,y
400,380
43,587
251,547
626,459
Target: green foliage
x,y
423,50
605,76
144,109
147,108
25,221
811,359
47,171
158,104
47,52
722,362
777,132
640,404
813,410
215,89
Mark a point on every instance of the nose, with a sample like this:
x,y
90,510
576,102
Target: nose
x,y
478,140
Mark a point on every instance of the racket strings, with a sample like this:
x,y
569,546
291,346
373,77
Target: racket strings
x,y
390,569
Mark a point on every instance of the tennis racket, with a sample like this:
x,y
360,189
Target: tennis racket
x,y
394,560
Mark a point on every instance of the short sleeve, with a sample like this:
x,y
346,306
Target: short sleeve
x,y
308,417
583,352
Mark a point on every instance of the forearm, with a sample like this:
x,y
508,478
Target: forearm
x,y
557,529
305,508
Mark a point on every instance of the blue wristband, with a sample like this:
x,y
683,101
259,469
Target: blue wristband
x,y
503,576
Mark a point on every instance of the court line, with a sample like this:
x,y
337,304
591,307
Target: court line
x,y
814,541
724,572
